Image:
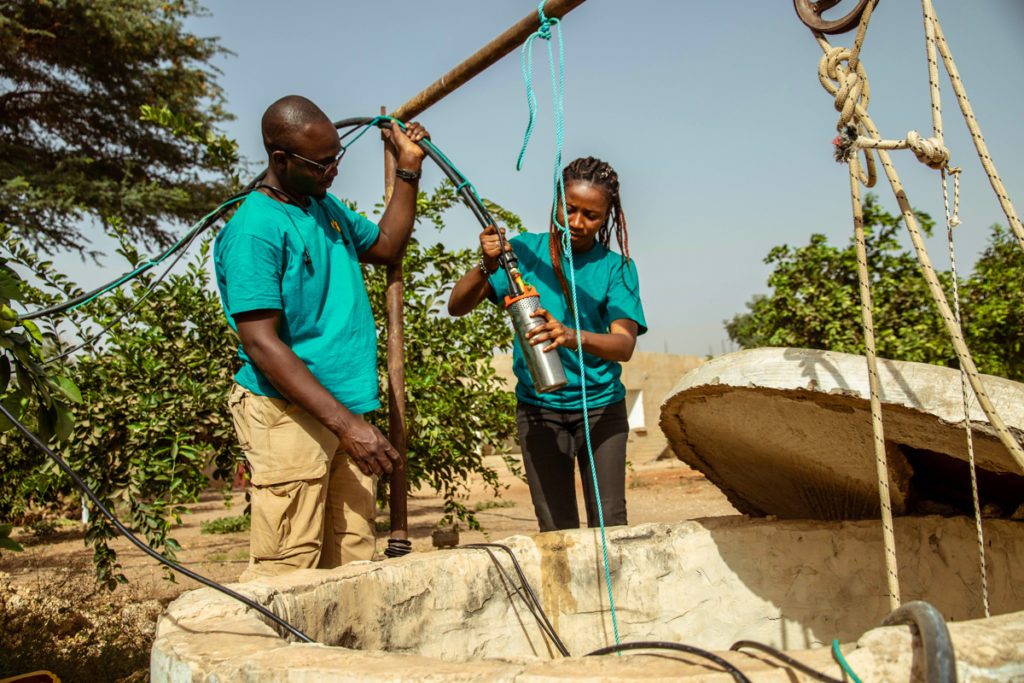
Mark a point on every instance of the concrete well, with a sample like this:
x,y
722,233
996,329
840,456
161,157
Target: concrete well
x,y
788,432
453,615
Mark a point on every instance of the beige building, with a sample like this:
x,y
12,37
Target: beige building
x,y
648,377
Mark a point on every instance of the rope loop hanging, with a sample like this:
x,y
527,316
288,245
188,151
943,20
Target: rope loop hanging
x,y
954,171
558,89
526,61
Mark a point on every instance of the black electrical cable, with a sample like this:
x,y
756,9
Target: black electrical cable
x,y
142,546
507,259
939,659
661,645
786,659
510,589
180,244
138,302
532,603
453,174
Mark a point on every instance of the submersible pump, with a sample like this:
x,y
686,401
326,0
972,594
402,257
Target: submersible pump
x,y
522,302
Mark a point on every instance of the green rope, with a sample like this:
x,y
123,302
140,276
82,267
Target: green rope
x,y
153,262
558,86
838,654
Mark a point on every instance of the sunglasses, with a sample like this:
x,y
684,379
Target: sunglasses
x,y
325,168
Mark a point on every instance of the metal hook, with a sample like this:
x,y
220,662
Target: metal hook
x,y
810,12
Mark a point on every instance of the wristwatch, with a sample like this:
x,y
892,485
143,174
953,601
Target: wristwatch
x,y
482,265
407,174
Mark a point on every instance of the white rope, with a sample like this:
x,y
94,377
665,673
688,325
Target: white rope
x,y
881,462
848,84
963,390
974,127
852,94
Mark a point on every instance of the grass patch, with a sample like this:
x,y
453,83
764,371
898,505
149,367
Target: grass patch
x,y
239,554
225,525
488,504
382,525
44,528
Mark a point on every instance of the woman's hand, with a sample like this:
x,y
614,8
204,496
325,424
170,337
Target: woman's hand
x,y
552,329
491,246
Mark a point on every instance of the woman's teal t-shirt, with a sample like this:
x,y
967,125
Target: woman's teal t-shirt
x,y
304,263
607,289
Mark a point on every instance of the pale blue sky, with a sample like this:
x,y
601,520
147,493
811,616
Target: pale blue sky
x,y
710,111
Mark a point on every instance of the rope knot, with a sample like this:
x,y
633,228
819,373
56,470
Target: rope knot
x,y
545,23
850,88
929,151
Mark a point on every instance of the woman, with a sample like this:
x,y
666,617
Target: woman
x,y
552,431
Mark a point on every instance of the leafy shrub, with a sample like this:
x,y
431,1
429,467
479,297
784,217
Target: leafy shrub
x,y
153,393
225,525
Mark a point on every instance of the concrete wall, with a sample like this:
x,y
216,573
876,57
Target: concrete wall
x,y
451,615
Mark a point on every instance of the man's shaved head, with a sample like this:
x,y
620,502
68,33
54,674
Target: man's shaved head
x,y
287,118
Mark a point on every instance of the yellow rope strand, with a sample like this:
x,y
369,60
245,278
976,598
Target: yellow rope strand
x,y
853,92
849,86
881,462
950,222
931,30
975,128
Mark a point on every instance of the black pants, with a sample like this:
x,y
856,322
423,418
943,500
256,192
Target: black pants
x,y
553,441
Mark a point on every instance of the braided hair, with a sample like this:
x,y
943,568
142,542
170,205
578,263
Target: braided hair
x,y
601,175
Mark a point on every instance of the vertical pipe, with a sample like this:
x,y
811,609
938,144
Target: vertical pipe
x,y
396,371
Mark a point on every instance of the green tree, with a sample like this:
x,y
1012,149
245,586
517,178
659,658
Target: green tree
x,y
815,300
74,77
815,297
154,389
457,408
153,411
29,392
992,304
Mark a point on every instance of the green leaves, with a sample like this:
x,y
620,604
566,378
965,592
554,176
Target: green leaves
x,y
815,300
76,75
992,301
141,416
6,542
457,409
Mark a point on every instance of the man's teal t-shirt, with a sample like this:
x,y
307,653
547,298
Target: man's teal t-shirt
x,y
261,262
607,289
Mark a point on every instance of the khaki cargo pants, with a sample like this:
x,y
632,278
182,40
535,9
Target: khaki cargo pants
x,y
311,506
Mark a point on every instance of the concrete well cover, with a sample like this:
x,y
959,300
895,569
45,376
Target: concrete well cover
x,y
788,432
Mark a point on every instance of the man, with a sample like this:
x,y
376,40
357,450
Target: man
x,y
288,272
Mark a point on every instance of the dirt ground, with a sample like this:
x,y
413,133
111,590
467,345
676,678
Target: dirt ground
x,y
53,617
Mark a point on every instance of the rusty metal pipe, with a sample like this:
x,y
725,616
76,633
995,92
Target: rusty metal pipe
x,y
481,59
397,496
